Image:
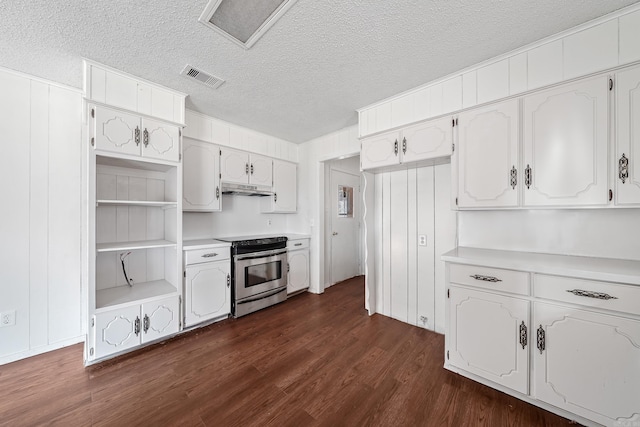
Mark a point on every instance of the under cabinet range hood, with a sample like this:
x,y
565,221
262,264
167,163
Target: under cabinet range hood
x,y
246,189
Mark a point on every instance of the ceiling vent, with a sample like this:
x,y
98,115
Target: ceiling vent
x,y
243,21
204,78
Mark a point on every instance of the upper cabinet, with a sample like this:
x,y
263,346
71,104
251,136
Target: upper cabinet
x,y
487,156
240,167
119,132
626,164
423,141
284,197
565,141
201,182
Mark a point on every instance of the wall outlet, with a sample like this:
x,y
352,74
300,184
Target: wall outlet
x,y
7,318
269,222
422,239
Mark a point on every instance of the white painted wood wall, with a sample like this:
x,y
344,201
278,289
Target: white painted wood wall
x,y
40,171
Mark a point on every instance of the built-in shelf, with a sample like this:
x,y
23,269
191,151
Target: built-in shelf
x,y
136,203
107,298
130,246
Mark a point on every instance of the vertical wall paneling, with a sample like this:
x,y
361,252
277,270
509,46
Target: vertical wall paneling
x,y
412,247
629,32
383,115
398,244
425,254
452,95
402,111
469,89
591,50
435,100
518,74
369,238
386,244
378,254
493,81
544,65
421,104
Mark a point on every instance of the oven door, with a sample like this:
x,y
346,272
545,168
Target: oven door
x,y
259,272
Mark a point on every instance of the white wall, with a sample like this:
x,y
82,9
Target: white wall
x,y
40,171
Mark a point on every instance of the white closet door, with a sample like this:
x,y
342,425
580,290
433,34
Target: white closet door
x,y
116,131
627,161
565,145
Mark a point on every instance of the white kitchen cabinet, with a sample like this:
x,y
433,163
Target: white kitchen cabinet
x,y
587,363
565,143
207,291
240,167
627,166
125,133
488,336
488,154
124,328
284,199
201,177
298,260
422,141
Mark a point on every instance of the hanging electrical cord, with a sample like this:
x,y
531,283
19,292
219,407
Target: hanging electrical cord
x,y
124,256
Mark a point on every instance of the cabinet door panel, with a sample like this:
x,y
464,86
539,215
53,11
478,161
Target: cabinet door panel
x,y
298,270
207,294
427,140
589,365
115,131
115,331
380,150
487,153
234,166
260,170
284,188
565,145
160,319
485,336
201,185
163,140
628,137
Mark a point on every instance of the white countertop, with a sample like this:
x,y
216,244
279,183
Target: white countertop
x,y
605,269
204,244
292,236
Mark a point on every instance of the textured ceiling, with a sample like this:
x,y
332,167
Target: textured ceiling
x,y
307,75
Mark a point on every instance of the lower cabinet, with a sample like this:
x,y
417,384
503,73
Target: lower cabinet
x,y
298,260
207,291
124,328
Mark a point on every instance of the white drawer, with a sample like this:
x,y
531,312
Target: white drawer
x,y
515,282
197,256
609,296
293,245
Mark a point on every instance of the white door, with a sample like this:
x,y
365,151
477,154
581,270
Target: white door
x,y
345,217
627,165
284,186
380,150
160,318
201,185
485,336
207,292
260,170
565,145
160,140
488,156
116,330
589,363
298,277
234,166
427,140
116,131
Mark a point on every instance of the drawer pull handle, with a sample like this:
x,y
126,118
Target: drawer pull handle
x,y
209,255
297,244
485,278
591,294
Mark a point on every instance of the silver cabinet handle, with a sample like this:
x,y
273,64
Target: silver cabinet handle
x,y
513,177
623,168
485,278
523,335
527,177
591,294
136,134
297,244
395,147
146,322
136,326
145,137
404,145
209,255
335,233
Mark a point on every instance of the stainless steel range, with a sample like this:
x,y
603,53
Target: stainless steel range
x,y
258,272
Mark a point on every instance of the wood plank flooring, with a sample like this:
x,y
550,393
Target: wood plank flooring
x,y
315,360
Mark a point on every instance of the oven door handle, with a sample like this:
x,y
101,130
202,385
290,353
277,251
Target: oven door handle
x,y
262,254
262,296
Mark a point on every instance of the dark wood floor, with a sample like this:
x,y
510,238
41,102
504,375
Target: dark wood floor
x,y
314,360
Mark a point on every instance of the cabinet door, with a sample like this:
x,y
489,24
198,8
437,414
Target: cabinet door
x,y
485,336
284,197
260,170
627,166
488,156
207,292
234,166
428,140
160,318
116,330
160,140
116,131
298,277
589,363
565,145
201,182
380,150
